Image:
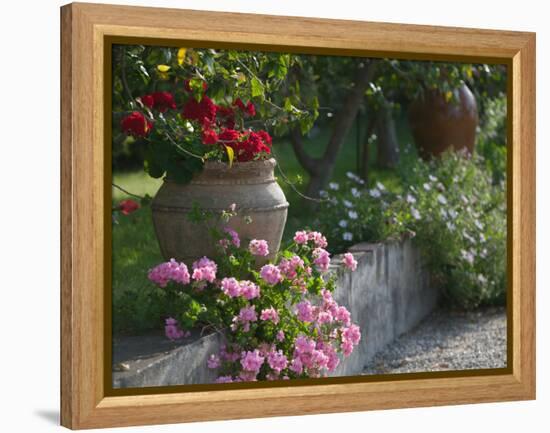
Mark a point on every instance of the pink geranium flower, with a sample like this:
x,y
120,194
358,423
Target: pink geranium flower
x,y
350,262
258,247
204,270
270,314
270,274
301,237
162,274
321,258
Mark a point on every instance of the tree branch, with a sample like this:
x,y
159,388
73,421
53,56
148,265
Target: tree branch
x,y
123,75
346,115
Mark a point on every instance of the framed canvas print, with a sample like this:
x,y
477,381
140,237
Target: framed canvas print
x,y
297,216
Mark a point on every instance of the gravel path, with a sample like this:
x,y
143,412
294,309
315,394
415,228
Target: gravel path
x,y
447,341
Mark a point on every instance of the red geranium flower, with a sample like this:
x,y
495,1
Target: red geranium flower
x,y
252,145
200,111
249,109
209,136
239,103
226,116
266,138
128,206
162,101
229,136
148,101
136,124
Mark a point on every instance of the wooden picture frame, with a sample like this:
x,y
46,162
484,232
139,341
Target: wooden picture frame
x,y
86,30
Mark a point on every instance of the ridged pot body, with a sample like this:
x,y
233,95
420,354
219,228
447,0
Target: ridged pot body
x,y
438,125
250,185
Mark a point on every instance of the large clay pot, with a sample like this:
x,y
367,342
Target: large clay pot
x,y
438,125
250,185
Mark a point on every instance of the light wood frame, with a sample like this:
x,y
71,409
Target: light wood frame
x,y
84,403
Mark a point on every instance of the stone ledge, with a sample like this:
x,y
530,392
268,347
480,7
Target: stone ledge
x,y
387,295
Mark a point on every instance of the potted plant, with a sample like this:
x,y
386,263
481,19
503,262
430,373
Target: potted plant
x,y
208,159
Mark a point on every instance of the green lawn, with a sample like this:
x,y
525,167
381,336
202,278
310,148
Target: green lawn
x,y
135,248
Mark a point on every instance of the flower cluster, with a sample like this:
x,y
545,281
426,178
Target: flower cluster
x,y
233,288
199,127
136,124
173,331
281,322
162,274
204,270
450,207
128,206
258,247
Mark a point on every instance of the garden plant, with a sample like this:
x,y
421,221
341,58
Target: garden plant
x,y
174,110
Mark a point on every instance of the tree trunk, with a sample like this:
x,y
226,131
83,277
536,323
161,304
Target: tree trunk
x,y
365,154
387,144
320,169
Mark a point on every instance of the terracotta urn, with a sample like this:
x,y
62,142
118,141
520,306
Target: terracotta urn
x,y
251,186
438,125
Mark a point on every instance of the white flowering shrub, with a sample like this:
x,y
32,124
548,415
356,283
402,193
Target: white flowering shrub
x,y
453,210
353,213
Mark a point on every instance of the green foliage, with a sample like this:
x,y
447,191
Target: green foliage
x,y
462,228
453,210
174,145
137,305
413,78
491,137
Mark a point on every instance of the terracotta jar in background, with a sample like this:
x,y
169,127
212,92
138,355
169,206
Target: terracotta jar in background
x,y
250,185
438,125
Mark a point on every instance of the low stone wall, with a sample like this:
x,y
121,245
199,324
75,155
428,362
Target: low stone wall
x,y
387,295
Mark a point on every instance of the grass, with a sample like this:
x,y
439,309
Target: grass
x,y
135,248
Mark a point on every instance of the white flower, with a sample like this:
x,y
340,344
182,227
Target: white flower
x,y
352,214
355,178
352,175
334,186
432,178
441,199
453,213
467,256
478,224
443,213
410,199
380,186
347,203
189,126
323,194
481,278
347,236
343,224
355,192
415,213
374,193
427,186
450,226
464,199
